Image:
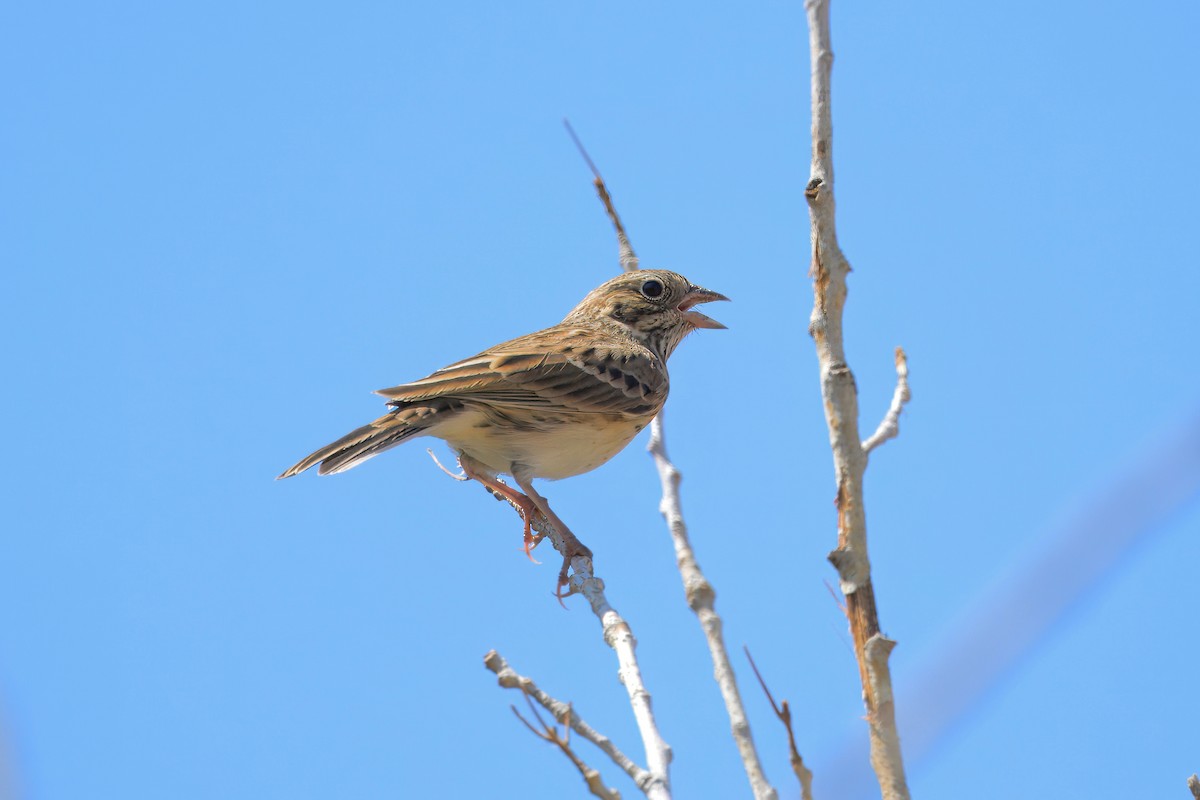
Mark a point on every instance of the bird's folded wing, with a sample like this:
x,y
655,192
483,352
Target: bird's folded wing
x,y
529,373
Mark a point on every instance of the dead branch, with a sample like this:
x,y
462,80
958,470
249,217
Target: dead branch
x,y
828,271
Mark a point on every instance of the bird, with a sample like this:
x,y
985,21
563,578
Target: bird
x,y
552,404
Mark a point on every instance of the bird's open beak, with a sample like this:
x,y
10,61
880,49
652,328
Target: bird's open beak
x,y
695,296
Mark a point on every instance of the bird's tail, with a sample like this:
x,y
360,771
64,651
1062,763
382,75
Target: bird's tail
x,y
357,446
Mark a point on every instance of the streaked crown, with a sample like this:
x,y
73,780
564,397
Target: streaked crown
x,y
654,305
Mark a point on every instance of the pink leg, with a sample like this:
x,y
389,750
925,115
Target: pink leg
x,y
571,543
525,505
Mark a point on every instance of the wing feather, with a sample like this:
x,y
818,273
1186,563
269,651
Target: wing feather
x,y
559,368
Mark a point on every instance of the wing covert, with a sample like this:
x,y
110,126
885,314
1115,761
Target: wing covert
x,y
548,370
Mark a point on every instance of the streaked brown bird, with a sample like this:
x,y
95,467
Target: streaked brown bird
x,y
551,404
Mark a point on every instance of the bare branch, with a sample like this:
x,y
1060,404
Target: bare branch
x,y
1194,785
803,773
829,269
549,733
699,592
889,427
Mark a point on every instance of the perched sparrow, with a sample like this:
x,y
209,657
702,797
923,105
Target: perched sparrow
x,y
552,404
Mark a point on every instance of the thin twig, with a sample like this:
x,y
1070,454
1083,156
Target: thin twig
x,y
625,255
828,271
582,150
889,427
699,592
549,733
803,773
565,714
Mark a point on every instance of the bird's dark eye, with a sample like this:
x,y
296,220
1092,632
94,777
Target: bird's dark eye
x,y
652,289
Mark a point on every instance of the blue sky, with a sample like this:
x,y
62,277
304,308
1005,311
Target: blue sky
x,y
223,226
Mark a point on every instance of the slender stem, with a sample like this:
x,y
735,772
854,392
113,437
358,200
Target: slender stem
x,y
701,598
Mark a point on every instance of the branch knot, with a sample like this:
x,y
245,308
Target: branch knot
x,y
700,594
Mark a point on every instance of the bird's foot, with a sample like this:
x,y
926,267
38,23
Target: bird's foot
x,y
573,548
501,491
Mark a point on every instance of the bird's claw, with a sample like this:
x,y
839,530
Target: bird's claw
x,y
563,580
531,541
575,549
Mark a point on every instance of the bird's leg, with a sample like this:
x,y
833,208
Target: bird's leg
x,y
571,545
527,507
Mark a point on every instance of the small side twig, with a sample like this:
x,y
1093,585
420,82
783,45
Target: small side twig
x,y
549,733
889,427
1194,785
700,594
803,773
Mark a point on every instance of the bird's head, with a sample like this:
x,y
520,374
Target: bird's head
x,y
655,305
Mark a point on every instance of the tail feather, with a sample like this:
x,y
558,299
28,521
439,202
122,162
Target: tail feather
x,y
358,445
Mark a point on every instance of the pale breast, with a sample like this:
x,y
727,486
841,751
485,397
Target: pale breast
x,y
549,446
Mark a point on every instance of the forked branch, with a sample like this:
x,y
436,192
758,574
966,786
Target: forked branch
x,y
562,712
655,784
